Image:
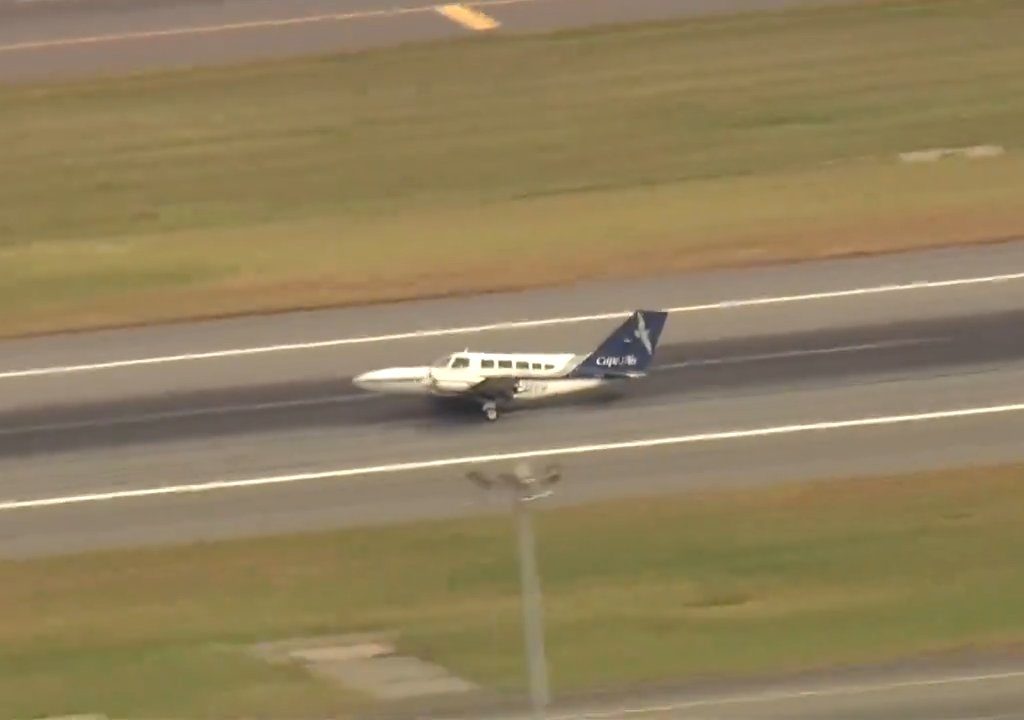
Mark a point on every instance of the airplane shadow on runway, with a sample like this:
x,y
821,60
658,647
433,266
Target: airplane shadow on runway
x,y
464,412
242,412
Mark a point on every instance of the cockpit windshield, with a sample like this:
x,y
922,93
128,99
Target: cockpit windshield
x,y
452,361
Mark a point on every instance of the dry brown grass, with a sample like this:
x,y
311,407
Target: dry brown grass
x,y
508,162
719,583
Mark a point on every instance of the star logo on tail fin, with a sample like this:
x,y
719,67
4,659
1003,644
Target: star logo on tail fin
x,y
643,333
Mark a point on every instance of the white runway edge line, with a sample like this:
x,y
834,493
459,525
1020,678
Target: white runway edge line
x,y
779,695
9,505
512,325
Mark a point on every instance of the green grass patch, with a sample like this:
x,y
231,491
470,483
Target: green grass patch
x,y
637,591
507,162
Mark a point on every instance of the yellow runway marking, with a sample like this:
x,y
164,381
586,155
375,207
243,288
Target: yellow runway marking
x,y
457,12
467,17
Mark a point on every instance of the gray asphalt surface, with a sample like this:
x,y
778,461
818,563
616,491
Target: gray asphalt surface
x,y
43,40
956,687
295,411
686,373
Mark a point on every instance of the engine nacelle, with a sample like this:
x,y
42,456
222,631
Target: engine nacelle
x,y
445,381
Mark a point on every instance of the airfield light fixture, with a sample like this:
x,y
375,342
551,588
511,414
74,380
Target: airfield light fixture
x,y
525,486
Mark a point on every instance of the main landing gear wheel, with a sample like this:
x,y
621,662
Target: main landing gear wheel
x,y
491,410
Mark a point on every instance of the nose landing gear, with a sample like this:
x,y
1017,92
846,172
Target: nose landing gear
x,y
490,408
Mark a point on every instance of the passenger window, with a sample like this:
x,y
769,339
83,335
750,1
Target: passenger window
x,y
536,366
487,363
549,367
460,362
505,363
523,365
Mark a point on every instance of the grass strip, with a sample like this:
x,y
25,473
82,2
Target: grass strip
x,y
637,591
508,162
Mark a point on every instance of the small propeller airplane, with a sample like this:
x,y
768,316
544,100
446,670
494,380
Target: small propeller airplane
x,y
497,379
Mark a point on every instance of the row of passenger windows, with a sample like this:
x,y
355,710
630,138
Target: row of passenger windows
x,y
520,365
462,362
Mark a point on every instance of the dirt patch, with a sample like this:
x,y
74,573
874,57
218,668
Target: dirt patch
x,y
369,664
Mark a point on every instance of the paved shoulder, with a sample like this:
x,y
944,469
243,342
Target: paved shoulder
x,y
982,686
65,39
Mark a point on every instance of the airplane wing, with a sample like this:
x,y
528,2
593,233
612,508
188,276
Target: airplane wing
x,y
494,388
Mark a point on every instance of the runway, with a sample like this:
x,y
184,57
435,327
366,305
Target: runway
x,y
53,40
808,347
686,373
951,688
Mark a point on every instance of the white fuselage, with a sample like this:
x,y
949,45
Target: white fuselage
x,y
540,375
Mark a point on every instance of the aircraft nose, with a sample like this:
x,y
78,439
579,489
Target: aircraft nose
x,y
373,379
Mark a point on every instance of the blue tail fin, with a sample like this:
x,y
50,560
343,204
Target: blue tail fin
x,y
627,351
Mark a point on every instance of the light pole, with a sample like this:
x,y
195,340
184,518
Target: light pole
x,y
526,486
